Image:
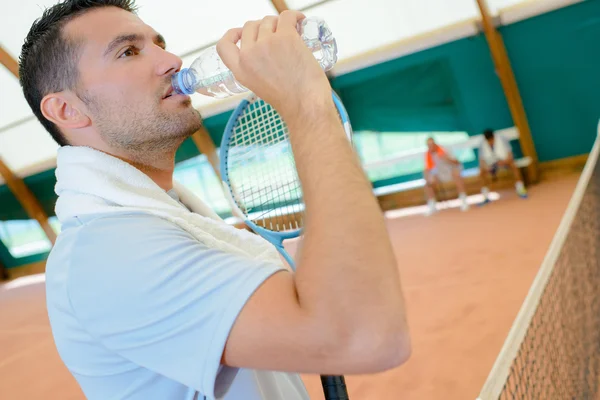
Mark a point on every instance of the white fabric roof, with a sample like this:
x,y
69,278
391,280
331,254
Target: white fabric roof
x,y
366,33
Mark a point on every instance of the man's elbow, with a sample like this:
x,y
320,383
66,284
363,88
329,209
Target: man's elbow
x,y
391,350
377,348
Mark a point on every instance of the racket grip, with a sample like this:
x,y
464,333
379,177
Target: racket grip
x,y
334,387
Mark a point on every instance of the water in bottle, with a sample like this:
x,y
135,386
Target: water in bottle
x,y
208,74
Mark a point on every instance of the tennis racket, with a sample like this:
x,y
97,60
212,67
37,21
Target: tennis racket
x,y
259,174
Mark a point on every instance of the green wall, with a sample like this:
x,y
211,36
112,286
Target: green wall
x,y
454,87
465,85
557,65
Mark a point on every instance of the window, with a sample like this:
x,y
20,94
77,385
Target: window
x,y
197,175
378,146
25,237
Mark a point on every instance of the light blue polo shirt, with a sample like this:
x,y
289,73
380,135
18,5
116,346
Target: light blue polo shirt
x,y
141,310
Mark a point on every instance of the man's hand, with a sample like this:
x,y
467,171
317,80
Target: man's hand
x,y
451,160
275,63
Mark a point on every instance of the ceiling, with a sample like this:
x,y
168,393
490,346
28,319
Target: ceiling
x,y
367,32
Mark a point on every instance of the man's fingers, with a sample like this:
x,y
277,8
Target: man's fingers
x,y
228,49
288,20
250,33
267,26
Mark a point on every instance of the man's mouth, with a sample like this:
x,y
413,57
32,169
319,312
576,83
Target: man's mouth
x,y
169,93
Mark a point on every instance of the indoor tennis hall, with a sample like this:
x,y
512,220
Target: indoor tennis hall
x,y
502,299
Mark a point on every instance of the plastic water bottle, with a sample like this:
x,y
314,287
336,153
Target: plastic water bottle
x,y
208,74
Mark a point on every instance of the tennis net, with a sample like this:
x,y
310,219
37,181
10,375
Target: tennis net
x,y
552,352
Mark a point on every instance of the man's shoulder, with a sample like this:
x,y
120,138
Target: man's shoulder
x,y
109,237
91,222
115,226
89,255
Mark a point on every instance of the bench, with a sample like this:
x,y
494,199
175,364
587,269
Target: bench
x,y
411,193
414,189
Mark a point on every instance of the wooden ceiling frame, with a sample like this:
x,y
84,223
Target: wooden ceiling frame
x,y
9,62
280,5
509,85
16,185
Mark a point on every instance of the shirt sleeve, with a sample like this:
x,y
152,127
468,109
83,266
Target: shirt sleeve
x,y
150,292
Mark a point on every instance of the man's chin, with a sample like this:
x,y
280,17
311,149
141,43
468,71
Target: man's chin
x,y
194,122
180,122
184,109
186,101
177,101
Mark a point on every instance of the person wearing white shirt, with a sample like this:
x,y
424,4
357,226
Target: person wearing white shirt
x,y
495,153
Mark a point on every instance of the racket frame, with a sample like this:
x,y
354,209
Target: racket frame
x,y
275,238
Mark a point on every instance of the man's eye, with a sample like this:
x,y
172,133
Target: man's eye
x,y
130,51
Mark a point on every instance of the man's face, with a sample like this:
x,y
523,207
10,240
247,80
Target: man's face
x,y
431,145
124,80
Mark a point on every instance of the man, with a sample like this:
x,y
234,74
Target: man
x,y
148,300
495,153
441,166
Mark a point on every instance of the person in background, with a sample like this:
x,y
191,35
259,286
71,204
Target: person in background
x,y
495,153
441,166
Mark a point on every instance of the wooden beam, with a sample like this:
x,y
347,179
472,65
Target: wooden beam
x,y
27,200
3,272
10,63
280,5
26,270
509,84
206,146
16,185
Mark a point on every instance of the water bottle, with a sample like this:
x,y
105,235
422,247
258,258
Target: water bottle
x,y
208,74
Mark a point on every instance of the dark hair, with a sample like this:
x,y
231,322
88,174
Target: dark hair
x,y
48,61
488,134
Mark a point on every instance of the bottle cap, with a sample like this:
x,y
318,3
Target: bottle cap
x,y
181,82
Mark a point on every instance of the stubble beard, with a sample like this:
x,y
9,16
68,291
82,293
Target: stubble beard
x,y
145,135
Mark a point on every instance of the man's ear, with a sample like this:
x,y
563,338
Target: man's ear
x,y
64,110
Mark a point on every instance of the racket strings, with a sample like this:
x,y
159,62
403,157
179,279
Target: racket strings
x,y
261,169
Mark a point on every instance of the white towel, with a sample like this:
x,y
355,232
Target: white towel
x,y
92,182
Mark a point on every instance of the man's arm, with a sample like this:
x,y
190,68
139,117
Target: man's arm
x,y
444,155
509,153
450,160
343,311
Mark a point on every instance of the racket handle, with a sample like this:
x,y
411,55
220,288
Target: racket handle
x,y
334,387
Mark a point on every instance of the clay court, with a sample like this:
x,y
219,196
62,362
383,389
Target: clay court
x,y
465,276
